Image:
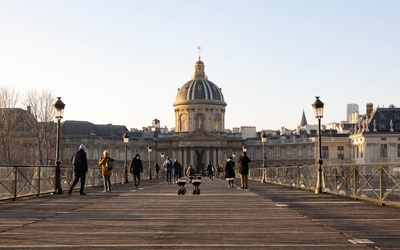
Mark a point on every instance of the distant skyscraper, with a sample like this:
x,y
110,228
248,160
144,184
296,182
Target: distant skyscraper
x,y
351,107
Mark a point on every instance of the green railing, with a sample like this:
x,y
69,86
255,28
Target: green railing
x,y
18,181
373,182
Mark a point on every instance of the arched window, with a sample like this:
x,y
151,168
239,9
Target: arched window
x,y
217,123
199,121
183,124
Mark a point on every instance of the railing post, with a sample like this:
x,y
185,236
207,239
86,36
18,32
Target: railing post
x,y
381,185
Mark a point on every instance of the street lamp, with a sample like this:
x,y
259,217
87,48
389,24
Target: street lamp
x,y
244,149
59,109
162,163
263,140
126,141
149,150
318,107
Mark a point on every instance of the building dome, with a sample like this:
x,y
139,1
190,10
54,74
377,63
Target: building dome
x,y
199,89
199,104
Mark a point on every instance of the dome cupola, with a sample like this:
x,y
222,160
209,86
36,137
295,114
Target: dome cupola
x,y
199,88
199,104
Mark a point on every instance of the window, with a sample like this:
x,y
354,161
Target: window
x,y
300,153
217,123
398,150
277,153
250,153
199,121
325,152
340,152
309,153
383,151
183,123
357,151
289,153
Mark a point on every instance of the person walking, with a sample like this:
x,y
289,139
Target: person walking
x,y
210,170
136,169
80,169
168,166
156,170
105,171
177,170
244,170
190,172
229,171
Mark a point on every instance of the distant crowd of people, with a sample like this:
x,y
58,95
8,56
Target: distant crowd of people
x,y
174,170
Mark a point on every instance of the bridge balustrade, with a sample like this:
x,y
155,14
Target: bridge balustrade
x,y
18,181
373,182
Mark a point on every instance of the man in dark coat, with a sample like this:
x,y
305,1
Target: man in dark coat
x,y
229,171
136,169
210,170
80,170
244,170
177,170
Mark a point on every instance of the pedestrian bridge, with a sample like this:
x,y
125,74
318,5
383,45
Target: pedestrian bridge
x,y
154,216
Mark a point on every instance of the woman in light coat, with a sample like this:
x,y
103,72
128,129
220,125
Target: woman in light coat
x,y
105,172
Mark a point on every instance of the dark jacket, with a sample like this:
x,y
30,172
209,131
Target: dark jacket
x,y
136,166
84,166
210,168
244,164
157,167
177,168
229,169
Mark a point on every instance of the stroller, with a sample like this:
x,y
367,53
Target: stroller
x,y
196,181
181,183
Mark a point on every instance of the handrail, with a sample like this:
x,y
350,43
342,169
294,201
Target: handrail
x,y
375,182
18,181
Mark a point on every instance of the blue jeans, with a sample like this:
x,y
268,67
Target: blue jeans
x,y
82,177
169,173
136,178
107,183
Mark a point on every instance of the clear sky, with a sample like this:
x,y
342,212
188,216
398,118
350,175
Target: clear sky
x,y
122,62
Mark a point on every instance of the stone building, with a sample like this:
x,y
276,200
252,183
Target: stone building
x,y
376,137
200,136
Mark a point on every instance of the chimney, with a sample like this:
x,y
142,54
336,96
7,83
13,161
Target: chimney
x,y
369,108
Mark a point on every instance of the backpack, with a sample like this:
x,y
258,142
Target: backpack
x,y
109,164
76,159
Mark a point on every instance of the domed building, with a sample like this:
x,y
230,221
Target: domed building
x,y
199,104
199,135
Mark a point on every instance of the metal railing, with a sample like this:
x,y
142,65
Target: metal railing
x,y
18,181
373,182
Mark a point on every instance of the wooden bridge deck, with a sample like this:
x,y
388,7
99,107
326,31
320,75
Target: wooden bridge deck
x,y
154,216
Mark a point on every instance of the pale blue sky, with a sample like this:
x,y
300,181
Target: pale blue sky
x,y
122,62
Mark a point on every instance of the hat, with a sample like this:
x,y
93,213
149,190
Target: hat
x,y
82,147
137,155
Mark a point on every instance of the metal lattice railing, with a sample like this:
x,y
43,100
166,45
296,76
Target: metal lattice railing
x,y
374,182
17,181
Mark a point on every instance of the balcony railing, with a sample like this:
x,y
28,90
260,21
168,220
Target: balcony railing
x,y
18,181
373,182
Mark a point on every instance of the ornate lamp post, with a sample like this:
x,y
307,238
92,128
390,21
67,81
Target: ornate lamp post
x,y
59,109
244,149
162,164
149,150
264,140
318,107
126,141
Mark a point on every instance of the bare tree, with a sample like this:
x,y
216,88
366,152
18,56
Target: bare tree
x,y
41,108
10,122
